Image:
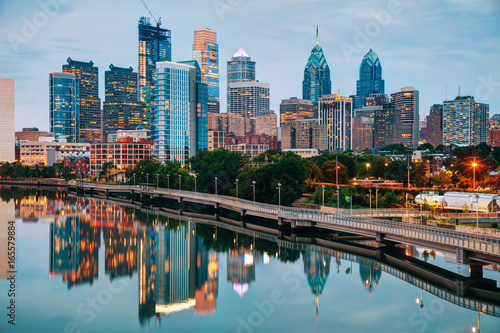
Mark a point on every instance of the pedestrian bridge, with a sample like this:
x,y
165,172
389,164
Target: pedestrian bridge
x,y
475,247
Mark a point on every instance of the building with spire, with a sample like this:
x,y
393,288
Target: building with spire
x,y
154,45
316,75
240,69
206,52
317,269
90,104
370,79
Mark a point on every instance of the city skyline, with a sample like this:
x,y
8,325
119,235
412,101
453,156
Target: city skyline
x,y
426,58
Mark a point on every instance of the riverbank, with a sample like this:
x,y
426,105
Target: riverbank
x,y
36,183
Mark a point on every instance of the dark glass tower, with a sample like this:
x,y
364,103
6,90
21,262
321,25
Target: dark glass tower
x,y
316,75
122,109
154,45
90,103
370,79
64,105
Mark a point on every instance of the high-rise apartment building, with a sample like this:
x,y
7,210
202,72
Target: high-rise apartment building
x,y
362,133
465,121
406,102
295,108
387,126
248,98
154,45
121,108
64,105
240,69
335,111
435,125
370,79
316,75
90,104
229,123
206,53
7,125
174,128
266,123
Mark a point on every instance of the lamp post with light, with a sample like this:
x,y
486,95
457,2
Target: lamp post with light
x,y
323,187
253,185
180,182
215,180
195,183
474,165
279,195
236,181
168,181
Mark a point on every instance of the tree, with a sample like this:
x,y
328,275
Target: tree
x,y
417,175
330,173
442,179
396,148
426,146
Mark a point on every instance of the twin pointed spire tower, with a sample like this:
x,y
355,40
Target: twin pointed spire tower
x,y
316,75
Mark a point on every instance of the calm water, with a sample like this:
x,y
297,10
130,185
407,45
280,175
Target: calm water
x,y
86,265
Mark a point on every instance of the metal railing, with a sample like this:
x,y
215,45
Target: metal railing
x,y
488,244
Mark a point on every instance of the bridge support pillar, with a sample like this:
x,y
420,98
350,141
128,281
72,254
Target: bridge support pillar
x,y
476,271
107,193
181,206
242,214
380,237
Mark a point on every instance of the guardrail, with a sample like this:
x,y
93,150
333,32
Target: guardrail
x,y
488,244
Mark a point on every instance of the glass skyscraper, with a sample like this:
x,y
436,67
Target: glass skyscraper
x,y
121,109
240,69
316,75
370,79
174,126
248,99
335,111
465,121
154,45
406,102
90,103
64,105
206,53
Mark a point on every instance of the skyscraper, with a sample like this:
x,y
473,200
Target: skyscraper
x,y
465,121
121,109
239,69
90,103
316,75
154,46
370,79
435,125
64,105
406,102
248,98
174,124
206,53
387,126
7,125
335,111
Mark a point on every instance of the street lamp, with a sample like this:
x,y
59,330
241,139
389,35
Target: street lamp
x,y
478,328
279,195
367,169
168,181
195,183
157,180
180,182
338,198
215,180
134,179
323,187
236,182
376,197
253,185
420,301
476,197
147,178
421,204
370,191
474,165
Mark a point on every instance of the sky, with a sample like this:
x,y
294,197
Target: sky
x,y
427,44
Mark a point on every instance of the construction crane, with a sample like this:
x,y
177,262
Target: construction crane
x,y
158,22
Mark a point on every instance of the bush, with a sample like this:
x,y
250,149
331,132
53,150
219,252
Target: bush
x,y
494,225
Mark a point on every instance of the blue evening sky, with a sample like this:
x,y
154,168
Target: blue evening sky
x,y
423,43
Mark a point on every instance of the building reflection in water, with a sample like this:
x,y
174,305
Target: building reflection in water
x,y
370,275
317,269
240,269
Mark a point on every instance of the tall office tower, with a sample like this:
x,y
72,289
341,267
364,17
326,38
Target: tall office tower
x,y
370,79
64,106
316,75
387,126
266,123
240,69
7,125
206,52
248,98
174,126
316,269
362,133
154,45
465,121
303,134
202,107
335,111
406,102
90,103
295,108
121,109
435,125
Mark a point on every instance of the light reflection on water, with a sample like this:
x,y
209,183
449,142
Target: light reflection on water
x,y
116,268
